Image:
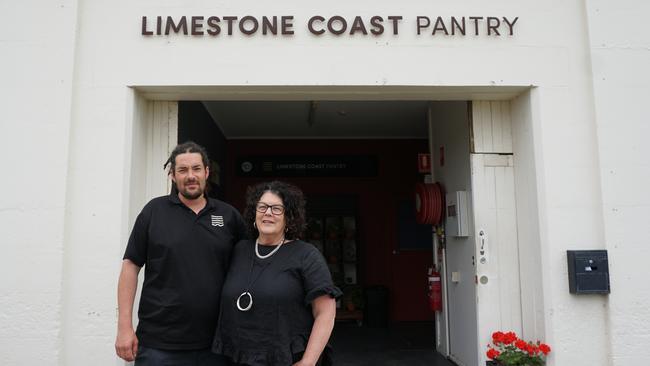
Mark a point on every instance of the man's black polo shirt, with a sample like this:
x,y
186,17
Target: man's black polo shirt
x,y
185,258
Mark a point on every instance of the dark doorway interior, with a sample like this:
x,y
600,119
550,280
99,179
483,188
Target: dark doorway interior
x,y
384,272
403,344
333,229
384,259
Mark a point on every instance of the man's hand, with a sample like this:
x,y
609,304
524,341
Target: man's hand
x,y
126,344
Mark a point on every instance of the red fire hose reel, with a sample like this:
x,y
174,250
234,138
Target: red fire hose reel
x,y
429,203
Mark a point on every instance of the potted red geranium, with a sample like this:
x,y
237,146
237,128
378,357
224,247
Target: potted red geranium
x,y
508,350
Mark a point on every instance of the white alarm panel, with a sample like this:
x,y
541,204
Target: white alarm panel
x,y
457,215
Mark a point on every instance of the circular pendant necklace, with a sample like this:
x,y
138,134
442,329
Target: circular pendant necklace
x,y
250,301
246,293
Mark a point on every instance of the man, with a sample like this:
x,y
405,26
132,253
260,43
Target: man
x,y
184,242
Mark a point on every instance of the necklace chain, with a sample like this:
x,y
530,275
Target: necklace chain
x,y
246,292
257,251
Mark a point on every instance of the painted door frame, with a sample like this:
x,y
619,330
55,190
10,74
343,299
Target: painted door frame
x,y
152,137
155,121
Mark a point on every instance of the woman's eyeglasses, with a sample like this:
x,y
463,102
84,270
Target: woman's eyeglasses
x,y
275,209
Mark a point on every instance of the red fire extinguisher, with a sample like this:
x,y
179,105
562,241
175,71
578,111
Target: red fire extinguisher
x,y
435,290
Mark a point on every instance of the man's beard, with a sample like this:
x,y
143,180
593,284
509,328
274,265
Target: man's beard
x,y
192,195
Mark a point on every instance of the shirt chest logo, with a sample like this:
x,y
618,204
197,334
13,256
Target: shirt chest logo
x,y
216,220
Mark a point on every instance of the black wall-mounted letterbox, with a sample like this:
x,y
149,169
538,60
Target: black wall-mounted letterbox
x,y
588,271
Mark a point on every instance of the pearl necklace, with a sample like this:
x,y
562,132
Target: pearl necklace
x,y
257,251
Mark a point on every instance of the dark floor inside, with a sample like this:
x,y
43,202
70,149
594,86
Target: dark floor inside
x,y
409,343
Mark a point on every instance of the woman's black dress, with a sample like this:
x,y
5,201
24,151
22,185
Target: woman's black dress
x,y
275,331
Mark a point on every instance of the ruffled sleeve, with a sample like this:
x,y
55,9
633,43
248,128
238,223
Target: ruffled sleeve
x,y
317,279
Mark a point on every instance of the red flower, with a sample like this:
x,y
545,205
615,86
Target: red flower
x,y
509,337
497,337
531,349
508,349
544,348
521,344
492,353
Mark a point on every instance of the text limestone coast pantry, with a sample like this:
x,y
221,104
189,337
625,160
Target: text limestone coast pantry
x,y
285,25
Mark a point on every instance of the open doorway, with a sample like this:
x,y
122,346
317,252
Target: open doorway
x,y
357,163
483,149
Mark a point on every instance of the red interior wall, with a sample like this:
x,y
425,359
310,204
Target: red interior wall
x,y
378,201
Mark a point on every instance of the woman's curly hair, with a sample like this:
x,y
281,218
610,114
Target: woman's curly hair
x,y
294,207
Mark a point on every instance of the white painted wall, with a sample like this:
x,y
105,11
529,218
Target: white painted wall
x,y
36,77
64,309
526,156
451,131
620,53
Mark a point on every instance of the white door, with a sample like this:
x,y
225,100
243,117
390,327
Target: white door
x,y
498,295
498,290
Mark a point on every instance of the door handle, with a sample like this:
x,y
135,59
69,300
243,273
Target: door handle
x,y
483,246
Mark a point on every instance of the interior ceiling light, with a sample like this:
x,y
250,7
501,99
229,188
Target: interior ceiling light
x,y
342,113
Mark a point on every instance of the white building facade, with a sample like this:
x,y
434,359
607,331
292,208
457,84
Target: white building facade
x,y
86,84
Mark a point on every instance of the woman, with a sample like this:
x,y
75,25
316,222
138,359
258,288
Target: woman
x,y
278,301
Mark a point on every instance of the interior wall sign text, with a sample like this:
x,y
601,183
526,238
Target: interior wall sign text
x,y
318,25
